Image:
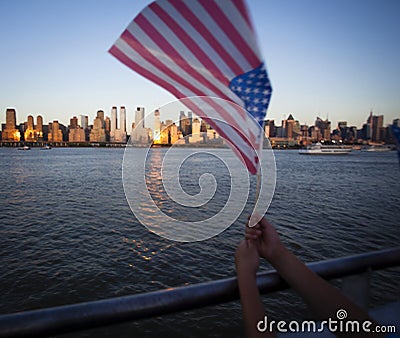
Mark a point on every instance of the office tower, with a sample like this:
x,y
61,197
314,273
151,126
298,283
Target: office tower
x,y
76,133
29,132
30,122
100,115
39,124
139,117
98,133
113,124
139,133
157,125
55,133
190,118
118,134
122,117
377,125
73,123
196,136
182,118
10,132
84,121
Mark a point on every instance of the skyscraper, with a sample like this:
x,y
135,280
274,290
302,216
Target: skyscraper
x,y
118,134
10,133
122,116
113,123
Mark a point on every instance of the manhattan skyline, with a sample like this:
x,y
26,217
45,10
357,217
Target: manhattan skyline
x,y
329,59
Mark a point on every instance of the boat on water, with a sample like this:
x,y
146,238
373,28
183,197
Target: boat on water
x,y
379,148
46,147
325,149
24,148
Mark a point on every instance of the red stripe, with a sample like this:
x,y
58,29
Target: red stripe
x,y
231,32
168,49
250,165
118,54
189,42
143,52
227,118
241,7
185,11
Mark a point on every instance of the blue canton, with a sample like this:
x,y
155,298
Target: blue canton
x,y
254,89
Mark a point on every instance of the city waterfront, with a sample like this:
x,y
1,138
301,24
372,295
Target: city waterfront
x,y
68,235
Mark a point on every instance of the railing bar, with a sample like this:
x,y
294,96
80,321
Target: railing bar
x,y
67,318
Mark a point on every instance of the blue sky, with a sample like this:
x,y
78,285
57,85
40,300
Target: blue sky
x,y
335,58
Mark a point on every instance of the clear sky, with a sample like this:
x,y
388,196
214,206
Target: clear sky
x,y
327,58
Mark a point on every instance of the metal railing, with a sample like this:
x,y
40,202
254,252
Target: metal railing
x,y
67,318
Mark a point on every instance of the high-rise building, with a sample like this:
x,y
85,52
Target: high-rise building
x,y
139,117
39,124
84,121
98,132
113,124
118,134
10,132
76,133
139,132
30,134
377,125
55,133
182,118
195,136
157,126
122,116
325,127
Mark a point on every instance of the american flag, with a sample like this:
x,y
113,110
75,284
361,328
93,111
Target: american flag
x,y
204,48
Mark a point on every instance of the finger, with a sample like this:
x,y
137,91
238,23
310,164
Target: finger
x,y
252,237
253,231
264,222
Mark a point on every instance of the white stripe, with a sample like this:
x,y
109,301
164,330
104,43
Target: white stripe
x,y
153,49
196,36
186,54
246,124
241,25
136,57
219,35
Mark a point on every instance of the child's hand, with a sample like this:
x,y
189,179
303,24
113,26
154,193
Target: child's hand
x,y
246,258
266,239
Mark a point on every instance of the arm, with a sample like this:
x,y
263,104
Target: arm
x,y
247,261
324,299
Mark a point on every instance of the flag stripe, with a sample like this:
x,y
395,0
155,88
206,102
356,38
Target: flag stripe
x,y
220,112
226,25
199,23
245,154
121,56
189,43
241,7
217,88
166,69
199,50
189,28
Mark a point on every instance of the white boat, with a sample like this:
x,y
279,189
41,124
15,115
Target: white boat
x,y
325,149
24,148
379,148
46,147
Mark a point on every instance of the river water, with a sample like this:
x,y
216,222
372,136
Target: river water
x,y
67,234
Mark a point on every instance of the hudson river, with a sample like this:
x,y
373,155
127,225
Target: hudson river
x,y
67,234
